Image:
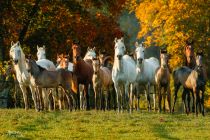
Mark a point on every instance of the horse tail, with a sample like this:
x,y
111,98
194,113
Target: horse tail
x,y
74,83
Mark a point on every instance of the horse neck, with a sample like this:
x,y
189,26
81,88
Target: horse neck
x,y
192,64
36,70
118,64
141,67
42,57
21,66
201,74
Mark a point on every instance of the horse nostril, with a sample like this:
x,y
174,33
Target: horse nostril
x,y
119,56
140,60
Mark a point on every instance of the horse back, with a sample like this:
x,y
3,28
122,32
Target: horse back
x,y
106,75
181,74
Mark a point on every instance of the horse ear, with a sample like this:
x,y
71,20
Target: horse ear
x,y
12,43
18,43
122,39
88,48
43,46
37,47
115,40
94,48
136,44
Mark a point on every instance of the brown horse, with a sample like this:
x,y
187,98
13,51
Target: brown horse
x,y
63,62
189,55
162,79
102,81
83,70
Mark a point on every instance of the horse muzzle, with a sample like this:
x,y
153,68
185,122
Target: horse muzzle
x,y
140,60
119,57
15,61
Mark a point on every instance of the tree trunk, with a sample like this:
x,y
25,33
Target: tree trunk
x,y
27,23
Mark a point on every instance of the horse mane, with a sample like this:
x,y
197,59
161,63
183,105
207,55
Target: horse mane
x,y
36,68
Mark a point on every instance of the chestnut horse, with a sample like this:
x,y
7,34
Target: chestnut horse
x,y
84,72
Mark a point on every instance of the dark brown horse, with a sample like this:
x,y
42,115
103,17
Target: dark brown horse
x,y
84,72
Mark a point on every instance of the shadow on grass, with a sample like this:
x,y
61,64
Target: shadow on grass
x,y
161,132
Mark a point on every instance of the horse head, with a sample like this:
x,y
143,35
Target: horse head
x,y
91,53
15,52
139,53
59,58
164,57
96,65
189,53
76,51
199,61
41,52
119,48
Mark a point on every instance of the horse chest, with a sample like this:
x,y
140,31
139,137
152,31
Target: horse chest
x,y
23,77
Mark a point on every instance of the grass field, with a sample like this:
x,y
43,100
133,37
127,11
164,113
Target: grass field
x,y
21,124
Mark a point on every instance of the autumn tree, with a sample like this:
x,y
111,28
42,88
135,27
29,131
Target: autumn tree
x,y
171,23
56,23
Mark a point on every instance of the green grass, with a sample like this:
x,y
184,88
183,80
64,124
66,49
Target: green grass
x,y
21,124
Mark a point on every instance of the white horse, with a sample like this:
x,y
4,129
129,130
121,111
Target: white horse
x,y
42,61
146,72
23,77
90,54
123,74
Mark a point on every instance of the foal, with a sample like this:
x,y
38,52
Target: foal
x,y
162,79
42,78
193,80
102,80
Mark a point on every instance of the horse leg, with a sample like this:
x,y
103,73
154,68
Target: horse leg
x,y
169,97
154,99
117,89
159,98
164,99
148,96
175,95
39,98
196,96
138,97
87,96
34,97
45,98
188,98
193,104
184,100
80,97
126,93
131,97
202,101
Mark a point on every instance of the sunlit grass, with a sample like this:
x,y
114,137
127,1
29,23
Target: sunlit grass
x,y
21,124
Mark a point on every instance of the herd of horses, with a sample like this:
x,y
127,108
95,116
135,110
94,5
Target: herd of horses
x,y
69,83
